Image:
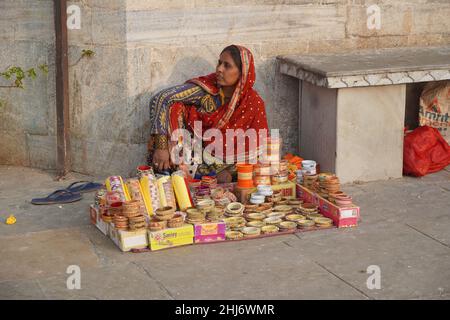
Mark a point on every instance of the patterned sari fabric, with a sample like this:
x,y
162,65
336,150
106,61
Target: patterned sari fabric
x,y
200,99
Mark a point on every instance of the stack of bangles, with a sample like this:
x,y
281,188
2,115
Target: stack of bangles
x,y
257,198
280,178
136,223
209,181
164,213
205,205
234,235
223,197
120,222
234,209
202,192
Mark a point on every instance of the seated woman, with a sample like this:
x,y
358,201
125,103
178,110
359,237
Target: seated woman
x,y
222,100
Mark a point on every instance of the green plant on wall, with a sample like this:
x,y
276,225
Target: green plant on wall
x,y
16,75
87,53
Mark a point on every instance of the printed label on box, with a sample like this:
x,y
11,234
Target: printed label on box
x,y
171,237
131,241
210,229
209,238
348,213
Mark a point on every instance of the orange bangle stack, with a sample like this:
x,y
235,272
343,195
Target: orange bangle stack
x,y
245,175
120,222
115,209
210,182
131,208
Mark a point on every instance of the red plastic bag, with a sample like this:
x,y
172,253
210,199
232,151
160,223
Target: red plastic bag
x,y
425,151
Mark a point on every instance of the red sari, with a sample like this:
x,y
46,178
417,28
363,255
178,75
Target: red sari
x,y
244,111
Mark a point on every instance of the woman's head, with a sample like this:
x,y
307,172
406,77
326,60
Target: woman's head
x,y
229,67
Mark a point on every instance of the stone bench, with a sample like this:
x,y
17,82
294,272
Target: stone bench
x,y
352,106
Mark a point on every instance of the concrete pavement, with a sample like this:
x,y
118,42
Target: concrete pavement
x,y
405,230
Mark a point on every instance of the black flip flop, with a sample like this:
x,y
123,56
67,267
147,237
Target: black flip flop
x,y
58,197
84,186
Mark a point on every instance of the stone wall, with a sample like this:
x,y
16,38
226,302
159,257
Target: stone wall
x,y
142,46
27,117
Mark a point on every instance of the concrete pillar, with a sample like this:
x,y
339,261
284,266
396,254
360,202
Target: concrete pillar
x,y
355,132
369,142
318,125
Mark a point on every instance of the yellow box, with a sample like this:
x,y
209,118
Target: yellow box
x,y
172,237
127,240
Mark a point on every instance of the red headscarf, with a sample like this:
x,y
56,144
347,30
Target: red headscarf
x,y
244,111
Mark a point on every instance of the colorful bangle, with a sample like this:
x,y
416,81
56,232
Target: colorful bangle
x,y
235,208
165,210
161,141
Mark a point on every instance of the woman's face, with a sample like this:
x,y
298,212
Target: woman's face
x,y
226,71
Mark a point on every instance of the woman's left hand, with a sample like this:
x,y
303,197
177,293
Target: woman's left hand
x,y
224,177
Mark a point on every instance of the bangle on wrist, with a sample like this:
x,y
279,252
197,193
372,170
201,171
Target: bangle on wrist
x,y
161,141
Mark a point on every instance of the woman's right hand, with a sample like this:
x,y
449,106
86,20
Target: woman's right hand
x,y
161,159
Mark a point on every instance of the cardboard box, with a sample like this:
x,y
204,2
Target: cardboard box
x,y
342,217
243,194
171,237
127,240
93,212
96,219
209,232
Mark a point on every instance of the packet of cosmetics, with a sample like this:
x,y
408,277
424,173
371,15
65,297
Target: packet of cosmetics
x,y
116,184
150,192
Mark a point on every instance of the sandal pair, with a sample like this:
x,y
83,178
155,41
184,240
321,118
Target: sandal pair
x,y
71,194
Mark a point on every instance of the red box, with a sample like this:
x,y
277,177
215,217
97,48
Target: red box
x,y
342,217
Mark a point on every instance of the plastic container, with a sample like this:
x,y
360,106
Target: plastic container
x,y
144,170
245,175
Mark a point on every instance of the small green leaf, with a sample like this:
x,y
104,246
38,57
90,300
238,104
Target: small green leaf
x,y
18,83
44,68
87,53
32,73
20,74
6,75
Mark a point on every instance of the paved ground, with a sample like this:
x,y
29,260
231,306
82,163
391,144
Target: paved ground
x,y
405,230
